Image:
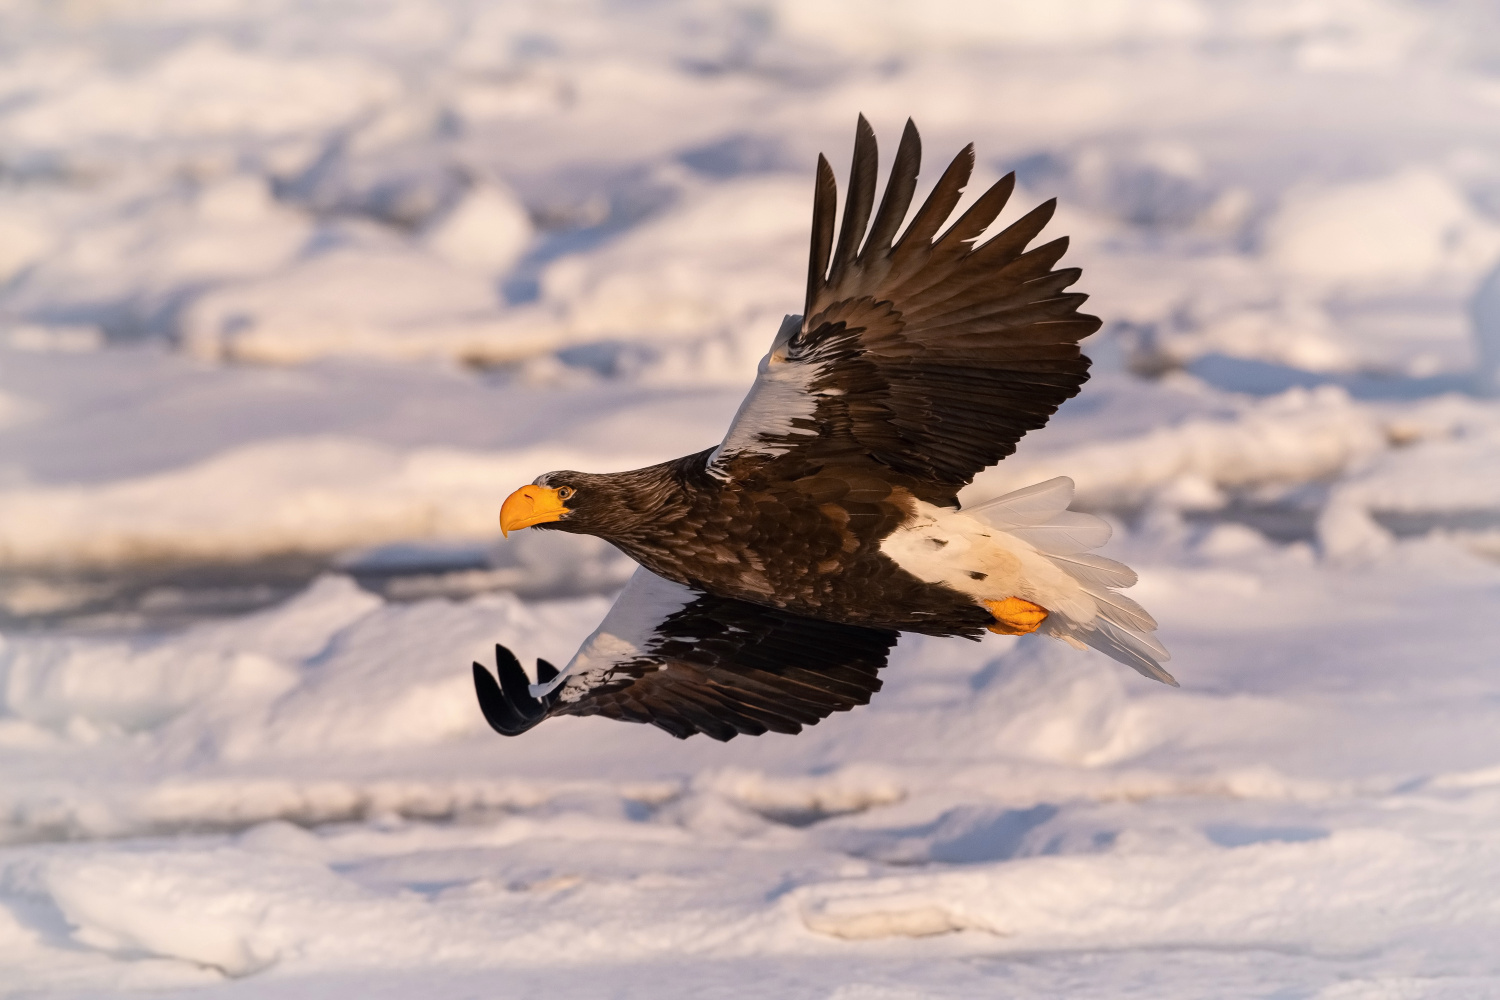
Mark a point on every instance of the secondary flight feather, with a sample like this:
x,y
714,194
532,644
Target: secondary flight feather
x,y
778,568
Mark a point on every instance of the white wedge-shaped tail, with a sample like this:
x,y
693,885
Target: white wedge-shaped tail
x,y
1120,627
1029,545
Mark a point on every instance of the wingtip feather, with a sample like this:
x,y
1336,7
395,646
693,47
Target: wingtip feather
x,y
859,200
825,196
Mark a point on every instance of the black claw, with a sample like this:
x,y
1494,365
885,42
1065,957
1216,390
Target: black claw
x,y
507,704
545,672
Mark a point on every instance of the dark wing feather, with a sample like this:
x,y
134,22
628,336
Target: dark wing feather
x,y
897,198
825,194
928,355
861,199
713,665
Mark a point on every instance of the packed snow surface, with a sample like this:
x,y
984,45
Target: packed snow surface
x,y
293,294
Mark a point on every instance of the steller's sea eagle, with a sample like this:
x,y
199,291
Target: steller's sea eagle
x,y
778,568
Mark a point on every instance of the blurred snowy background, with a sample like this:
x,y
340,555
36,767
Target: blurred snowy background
x,y
292,294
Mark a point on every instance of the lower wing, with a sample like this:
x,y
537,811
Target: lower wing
x,y
690,662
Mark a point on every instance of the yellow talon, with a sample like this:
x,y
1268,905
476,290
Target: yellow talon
x,y
1014,616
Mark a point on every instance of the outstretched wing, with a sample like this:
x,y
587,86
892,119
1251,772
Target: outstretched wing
x,y
690,662
929,356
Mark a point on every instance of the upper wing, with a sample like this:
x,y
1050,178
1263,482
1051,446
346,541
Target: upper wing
x,y
690,662
929,356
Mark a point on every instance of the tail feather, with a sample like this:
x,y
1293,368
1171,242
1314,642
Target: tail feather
x,y
1095,571
1068,533
1124,647
1147,643
1121,610
1033,505
1118,626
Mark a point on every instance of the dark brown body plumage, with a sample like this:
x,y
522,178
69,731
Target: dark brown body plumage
x,y
810,545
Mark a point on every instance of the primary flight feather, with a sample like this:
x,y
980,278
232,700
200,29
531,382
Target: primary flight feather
x,y
778,568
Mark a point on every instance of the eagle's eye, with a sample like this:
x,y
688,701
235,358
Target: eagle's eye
x,y
564,492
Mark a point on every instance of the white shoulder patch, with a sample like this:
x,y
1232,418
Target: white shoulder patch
x,y
778,396
624,634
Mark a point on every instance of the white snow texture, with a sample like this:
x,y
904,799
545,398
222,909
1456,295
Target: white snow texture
x,y
293,294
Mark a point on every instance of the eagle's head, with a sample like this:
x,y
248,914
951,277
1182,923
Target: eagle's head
x,y
580,502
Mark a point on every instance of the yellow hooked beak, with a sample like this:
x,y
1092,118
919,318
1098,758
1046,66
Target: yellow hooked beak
x,y
530,505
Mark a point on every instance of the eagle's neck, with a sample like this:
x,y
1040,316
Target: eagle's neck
x,y
650,505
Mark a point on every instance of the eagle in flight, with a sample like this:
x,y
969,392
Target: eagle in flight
x,y
778,568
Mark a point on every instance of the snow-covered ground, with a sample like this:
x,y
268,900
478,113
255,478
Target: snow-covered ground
x,y
292,294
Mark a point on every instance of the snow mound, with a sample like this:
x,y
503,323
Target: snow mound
x,y
488,230
725,260
1404,229
1297,436
387,302
1271,894
204,87
882,27
128,270
308,495
189,907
